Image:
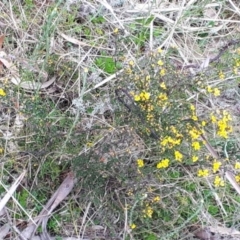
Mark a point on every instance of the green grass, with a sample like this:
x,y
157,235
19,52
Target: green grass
x,y
131,139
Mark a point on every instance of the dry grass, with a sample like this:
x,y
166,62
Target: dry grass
x,y
77,123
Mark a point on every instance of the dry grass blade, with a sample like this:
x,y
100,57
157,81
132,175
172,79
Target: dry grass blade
x,y
201,233
107,6
209,147
11,191
15,78
230,177
4,230
1,44
80,43
84,221
225,231
235,7
64,189
1,40
2,212
217,198
62,192
105,81
215,233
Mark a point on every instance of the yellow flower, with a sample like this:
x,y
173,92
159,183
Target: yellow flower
x,y
218,182
164,142
237,63
203,173
235,70
163,72
163,164
170,142
192,107
163,97
147,78
148,212
89,144
238,51
2,92
140,163
159,50
194,133
223,126
160,62
144,96
131,63
130,192
237,178
203,123
221,75
156,199
213,118
178,156
173,129
194,118
137,98
227,115
133,226
216,92
128,70
149,107
194,158
237,165
150,117
196,145
209,89
216,166
115,30
163,85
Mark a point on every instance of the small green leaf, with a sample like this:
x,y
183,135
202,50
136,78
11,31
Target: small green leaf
x,y
151,237
107,64
99,19
213,209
